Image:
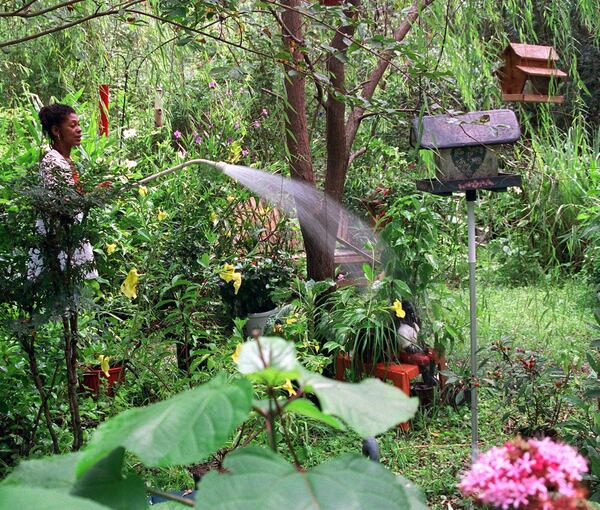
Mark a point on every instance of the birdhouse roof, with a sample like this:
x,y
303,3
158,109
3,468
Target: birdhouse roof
x,y
472,129
534,52
542,71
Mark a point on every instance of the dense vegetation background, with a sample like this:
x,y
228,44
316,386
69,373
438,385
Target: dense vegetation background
x,y
221,68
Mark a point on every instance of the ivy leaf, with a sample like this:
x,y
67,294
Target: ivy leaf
x,y
370,407
105,484
269,360
181,430
21,496
259,479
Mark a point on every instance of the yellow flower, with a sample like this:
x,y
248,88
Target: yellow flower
x,y
397,307
229,274
143,191
236,353
237,282
291,320
230,198
161,215
214,216
110,248
104,366
289,388
129,286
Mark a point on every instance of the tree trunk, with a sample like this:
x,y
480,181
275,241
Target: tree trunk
x,y
70,336
297,140
340,132
28,345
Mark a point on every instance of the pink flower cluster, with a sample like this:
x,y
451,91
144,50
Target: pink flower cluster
x,y
534,474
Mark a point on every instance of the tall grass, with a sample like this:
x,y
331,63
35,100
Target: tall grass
x,y
561,192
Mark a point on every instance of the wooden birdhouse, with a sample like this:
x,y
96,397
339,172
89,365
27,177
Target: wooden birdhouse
x,y
464,149
529,74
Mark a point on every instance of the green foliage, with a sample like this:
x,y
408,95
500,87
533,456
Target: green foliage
x,y
534,385
210,413
261,479
189,426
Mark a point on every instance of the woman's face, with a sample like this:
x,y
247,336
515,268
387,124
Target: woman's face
x,y
69,131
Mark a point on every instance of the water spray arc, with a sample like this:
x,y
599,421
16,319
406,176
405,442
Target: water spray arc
x,y
321,213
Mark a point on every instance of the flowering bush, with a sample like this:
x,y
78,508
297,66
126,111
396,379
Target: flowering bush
x,y
258,277
534,384
529,475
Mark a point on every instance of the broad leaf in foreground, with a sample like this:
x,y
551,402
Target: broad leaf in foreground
x,y
369,408
259,479
22,497
181,430
105,484
56,473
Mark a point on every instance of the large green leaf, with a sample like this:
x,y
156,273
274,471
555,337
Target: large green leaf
x,y
270,360
259,479
57,473
104,483
16,497
306,408
181,430
370,407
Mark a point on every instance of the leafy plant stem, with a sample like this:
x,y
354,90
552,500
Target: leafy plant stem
x,y
286,434
171,497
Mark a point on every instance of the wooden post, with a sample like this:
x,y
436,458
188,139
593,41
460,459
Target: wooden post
x,y
158,110
103,106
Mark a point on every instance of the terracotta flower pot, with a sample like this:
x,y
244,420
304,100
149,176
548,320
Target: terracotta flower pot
x,y
94,377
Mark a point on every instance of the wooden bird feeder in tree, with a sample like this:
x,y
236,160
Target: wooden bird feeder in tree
x,y
464,152
529,74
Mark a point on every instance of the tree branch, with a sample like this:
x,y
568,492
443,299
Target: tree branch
x,y
356,154
370,86
337,148
22,12
59,28
198,31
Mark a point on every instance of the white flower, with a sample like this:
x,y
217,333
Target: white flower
x,y
129,164
129,133
182,153
99,160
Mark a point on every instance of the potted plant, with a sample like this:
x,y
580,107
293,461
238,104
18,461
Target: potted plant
x,y
247,285
361,322
103,374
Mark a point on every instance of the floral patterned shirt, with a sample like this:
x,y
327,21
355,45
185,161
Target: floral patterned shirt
x,y
56,170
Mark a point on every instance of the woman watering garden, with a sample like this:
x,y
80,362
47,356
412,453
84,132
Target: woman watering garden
x,y
58,173
63,256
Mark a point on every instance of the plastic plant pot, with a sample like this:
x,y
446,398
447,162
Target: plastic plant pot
x,y
94,377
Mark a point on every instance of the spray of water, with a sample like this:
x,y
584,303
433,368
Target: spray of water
x,y
321,214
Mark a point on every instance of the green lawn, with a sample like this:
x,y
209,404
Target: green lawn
x,y
437,448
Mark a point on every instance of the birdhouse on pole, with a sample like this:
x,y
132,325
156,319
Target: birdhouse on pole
x,y
465,150
529,74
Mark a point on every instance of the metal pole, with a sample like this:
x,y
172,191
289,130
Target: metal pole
x,y
471,196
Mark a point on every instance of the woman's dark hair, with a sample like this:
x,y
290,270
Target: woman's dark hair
x,y
54,115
